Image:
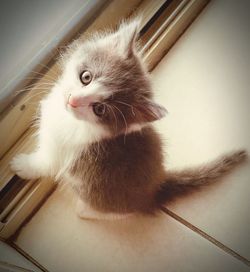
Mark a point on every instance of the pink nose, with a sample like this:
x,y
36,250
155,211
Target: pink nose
x,y
81,101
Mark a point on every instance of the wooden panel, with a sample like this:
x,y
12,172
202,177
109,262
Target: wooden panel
x,y
25,207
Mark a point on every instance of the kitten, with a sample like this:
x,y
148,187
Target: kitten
x,y
95,132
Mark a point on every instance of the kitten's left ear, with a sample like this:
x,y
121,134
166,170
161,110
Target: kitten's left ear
x,y
151,111
128,33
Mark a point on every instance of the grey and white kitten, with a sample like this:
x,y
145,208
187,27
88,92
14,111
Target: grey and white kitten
x,y
95,132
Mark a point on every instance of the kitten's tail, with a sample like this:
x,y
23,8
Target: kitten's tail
x,y
186,181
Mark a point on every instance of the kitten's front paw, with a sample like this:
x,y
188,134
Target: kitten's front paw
x,y
22,166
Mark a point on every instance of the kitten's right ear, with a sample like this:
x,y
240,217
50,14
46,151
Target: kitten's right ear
x,y
128,33
150,111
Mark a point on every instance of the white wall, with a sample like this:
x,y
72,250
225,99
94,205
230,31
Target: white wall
x,y
204,81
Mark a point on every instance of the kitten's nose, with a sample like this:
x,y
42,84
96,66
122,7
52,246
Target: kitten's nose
x,y
80,101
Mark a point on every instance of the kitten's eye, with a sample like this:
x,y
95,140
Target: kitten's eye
x,y
99,109
85,77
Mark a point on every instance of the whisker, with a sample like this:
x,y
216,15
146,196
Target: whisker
x,y
123,119
29,102
98,150
132,108
44,65
48,69
116,126
42,90
39,73
44,75
45,91
38,79
37,85
34,89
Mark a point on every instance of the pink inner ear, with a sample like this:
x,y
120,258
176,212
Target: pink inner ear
x,y
159,111
156,111
150,111
127,33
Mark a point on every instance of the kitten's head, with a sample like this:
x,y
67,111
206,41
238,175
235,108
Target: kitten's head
x,y
104,81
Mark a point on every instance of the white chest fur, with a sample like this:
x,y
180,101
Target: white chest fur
x,y
61,136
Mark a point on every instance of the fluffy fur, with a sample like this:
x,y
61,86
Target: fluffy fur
x,y
95,133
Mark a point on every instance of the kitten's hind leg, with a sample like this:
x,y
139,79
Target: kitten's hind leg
x,y
85,211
